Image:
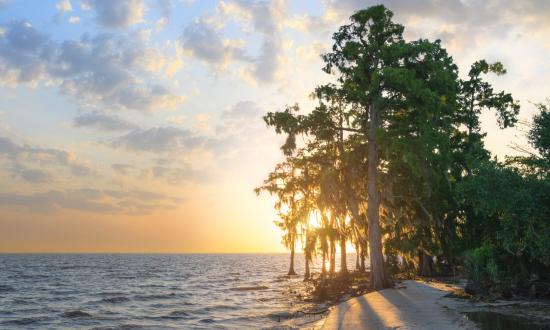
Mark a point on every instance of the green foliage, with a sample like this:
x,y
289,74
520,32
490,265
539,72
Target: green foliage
x,y
481,264
513,213
400,106
539,135
477,95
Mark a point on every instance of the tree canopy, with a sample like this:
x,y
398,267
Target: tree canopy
x,y
392,159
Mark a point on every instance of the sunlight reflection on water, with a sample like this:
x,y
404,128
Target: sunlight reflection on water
x,y
148,290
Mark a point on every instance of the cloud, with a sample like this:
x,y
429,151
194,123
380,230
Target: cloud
x,y
205,43
30,175
117,14
175,175
103,122
165,7
161,139
107,201
74,19
102,70
463,24
264,18
241,126
18,154
122,168
266,65
203,40
243,110
236,126
64,6
24,54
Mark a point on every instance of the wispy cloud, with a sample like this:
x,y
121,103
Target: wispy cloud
x,y
161,140
92,200
25,153
103,122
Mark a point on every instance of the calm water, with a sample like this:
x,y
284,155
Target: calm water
x,y
119,291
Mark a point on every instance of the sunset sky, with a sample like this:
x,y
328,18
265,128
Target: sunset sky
x,y
135,126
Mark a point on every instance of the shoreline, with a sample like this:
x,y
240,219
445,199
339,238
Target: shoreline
x,y
416,304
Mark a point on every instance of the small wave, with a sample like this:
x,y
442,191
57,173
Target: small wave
x,y
6,288
147,297
24,321
108,293
63,292
32,276
24,301
207,320
76,314
115,300
249,288
75,267
278,316
123,327
179,315
151,286
59,298
125,277
217,308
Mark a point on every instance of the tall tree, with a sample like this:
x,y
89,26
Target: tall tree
x,y
384,79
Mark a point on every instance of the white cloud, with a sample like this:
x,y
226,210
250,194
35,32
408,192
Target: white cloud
x,y
74,19
243,110
203,39
165,7
84,5
101,70
103,122
176,120
21,154
161,140
64,6
117,14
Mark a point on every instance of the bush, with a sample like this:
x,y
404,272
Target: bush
x,y
481,265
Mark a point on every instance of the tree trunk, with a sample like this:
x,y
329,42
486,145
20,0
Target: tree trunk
x,y
332,257
357,256
324,268
378,278
306,274
363,255
425,264
291,269
343,255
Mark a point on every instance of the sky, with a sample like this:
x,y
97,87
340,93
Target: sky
x,y
135,125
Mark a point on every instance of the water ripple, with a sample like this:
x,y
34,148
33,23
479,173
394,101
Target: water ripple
x,y
133,291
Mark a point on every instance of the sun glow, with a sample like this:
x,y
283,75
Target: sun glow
x,y
314,219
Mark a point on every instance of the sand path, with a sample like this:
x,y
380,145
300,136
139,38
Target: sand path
x,y
413,305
